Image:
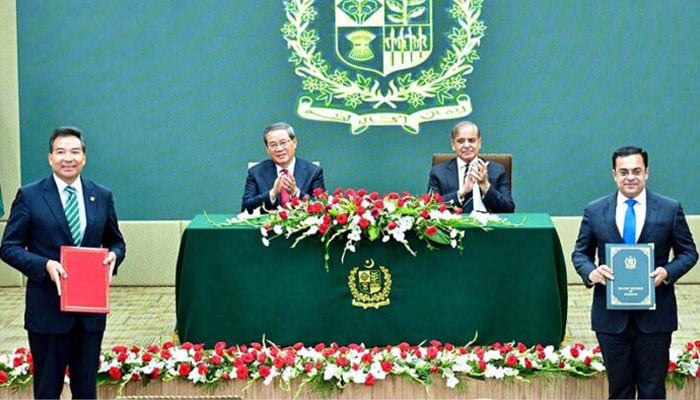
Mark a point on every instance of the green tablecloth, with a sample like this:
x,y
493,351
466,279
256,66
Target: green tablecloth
x,y
509,284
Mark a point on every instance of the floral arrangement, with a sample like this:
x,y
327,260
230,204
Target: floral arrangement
x,y
354,215
325,368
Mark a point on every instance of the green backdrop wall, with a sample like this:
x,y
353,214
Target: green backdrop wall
x,y
173,96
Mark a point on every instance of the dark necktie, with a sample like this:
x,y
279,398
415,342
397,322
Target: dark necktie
x,y
284,194
73,214
629,229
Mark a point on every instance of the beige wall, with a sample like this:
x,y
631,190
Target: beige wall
x,y
9,104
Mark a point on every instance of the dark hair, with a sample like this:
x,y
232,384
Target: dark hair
x,y
276,127
625,151
63,131
464,123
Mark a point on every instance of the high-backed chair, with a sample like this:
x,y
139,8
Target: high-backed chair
x,y
506,159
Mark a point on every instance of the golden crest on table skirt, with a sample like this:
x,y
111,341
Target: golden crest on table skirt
x,y
370,286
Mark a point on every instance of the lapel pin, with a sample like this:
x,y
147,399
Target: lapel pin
x,y
92,198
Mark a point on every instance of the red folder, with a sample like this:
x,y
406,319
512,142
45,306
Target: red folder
x,y
86,289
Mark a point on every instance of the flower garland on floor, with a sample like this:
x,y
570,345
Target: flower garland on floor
x,y
356,215
324,368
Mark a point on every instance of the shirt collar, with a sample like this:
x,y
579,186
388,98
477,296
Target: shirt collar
x,y
641,197
61,185
290,168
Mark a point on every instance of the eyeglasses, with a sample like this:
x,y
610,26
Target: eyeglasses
x,y
281,144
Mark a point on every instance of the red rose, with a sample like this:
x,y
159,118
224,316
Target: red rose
x,y
367,358
283,215
431,230
458,211
165,354
437,197
432,353
689,346
364,223
154,348
369,380
318,191
262,357
242,372
361,192
442,207
521,347
17,361
115,373
184,369
187,346
319,365
219,347
426,197
135,377
168,345
264,371
323,228
511,360
121,357
574,352
3,377
225,376
119,349
341,361
278,362
403,346
308,367
146,357
587,361
387,366
135,349
425,214
528,363
342,218
156,373
215,359
202,369
198,356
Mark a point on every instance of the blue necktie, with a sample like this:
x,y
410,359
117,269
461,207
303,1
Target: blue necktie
x,y
73,214
629,229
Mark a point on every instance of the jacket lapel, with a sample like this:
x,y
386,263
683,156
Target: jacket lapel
x,y
55,206
609,217
652,213
90,200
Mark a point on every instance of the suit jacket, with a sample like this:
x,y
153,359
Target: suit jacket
x,y
444,179
36,229
665,226
261,178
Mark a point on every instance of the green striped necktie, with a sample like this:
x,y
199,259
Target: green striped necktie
x,y
73,214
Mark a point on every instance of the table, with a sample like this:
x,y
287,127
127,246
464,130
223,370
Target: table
x,y
509,284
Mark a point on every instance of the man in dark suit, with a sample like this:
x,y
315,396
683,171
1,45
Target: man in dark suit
x,y
456,179
37,228
635,344
275,181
